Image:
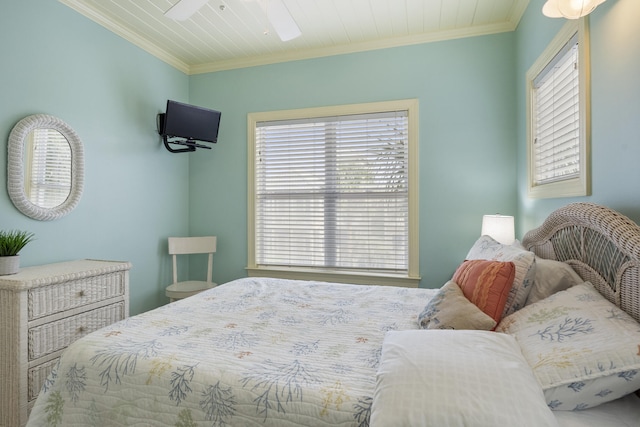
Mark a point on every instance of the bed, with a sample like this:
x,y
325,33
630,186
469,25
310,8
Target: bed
x,y
270,352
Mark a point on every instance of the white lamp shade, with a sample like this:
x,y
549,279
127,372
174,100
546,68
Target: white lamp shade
x,y
570,9
499,227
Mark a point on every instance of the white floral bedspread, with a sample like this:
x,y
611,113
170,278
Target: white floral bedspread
x,y
252,352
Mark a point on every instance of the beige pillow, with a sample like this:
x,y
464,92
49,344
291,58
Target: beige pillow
x,y
551,277
450,309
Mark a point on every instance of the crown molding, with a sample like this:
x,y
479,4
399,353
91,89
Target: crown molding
x,y
128,35
253,61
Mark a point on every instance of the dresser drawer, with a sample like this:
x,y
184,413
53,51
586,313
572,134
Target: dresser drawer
x,y
57,298
38,375
50,337
44,309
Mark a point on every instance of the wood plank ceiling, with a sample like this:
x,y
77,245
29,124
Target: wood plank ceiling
x,y
227,34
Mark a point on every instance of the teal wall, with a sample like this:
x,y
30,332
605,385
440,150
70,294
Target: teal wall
x,y
615,107
57,62
467,130
472,134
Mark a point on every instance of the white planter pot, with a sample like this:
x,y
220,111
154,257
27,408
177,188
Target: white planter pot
x,y
9,265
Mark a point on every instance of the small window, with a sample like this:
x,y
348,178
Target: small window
x,y
558,116
333,192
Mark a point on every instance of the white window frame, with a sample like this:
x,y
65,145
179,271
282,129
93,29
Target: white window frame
x,y
47,159
412,278
578,185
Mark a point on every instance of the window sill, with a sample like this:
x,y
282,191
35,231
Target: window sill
x,y
575,187
335,276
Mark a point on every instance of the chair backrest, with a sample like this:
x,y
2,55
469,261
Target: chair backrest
x,y
192,245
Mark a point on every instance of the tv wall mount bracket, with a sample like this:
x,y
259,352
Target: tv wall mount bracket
x,y
189,145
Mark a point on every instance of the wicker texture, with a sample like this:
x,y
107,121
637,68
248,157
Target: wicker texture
x,y
47,300
38,375
602,245
51,337
45,308
16,173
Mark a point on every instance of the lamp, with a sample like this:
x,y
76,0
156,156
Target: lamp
x,y
499,227
570,9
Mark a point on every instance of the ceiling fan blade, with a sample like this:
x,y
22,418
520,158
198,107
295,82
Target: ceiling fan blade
x,y
183,9
282,21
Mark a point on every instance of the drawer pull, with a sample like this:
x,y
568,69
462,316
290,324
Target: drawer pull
x,y
81,294
81,329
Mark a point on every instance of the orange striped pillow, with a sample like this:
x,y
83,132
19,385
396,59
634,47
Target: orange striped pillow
x,y
486,284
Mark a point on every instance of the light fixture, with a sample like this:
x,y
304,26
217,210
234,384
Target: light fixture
x,y
501,228
570,9
183,9
275,10
281,19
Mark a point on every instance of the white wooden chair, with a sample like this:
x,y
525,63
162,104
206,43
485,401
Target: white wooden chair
x,y
187,246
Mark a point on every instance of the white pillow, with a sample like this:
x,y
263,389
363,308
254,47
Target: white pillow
x,y
584,350
551,277
487,248
456,378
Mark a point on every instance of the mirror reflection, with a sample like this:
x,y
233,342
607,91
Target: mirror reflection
x,y
47,169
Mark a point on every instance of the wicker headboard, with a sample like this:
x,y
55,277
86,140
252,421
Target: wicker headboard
x,y
602,246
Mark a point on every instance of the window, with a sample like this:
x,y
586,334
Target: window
x,y
558,115
48,159
333,193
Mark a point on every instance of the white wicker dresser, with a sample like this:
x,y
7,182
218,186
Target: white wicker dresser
x,y
45,308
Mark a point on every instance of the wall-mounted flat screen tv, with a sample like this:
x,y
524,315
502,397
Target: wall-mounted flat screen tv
x,y
191,122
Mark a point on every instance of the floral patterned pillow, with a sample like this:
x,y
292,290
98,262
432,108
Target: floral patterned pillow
x,y
487,248
583,350
450,309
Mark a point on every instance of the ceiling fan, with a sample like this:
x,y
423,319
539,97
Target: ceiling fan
x,y
276,11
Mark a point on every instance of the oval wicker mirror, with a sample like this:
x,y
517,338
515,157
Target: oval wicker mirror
x,y
45,167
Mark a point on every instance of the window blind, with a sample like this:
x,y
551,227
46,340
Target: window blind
x,y
49,183
557,109
332,192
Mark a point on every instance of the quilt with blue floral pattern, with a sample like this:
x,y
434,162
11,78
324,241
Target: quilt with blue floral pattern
x,y
252,352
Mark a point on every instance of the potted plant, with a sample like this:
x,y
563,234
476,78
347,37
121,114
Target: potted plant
x,y
11,243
